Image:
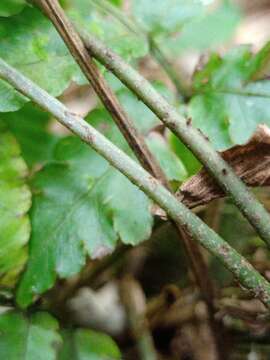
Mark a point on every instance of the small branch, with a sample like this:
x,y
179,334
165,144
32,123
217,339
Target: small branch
x,y
55,13
155,49
251,208
242,270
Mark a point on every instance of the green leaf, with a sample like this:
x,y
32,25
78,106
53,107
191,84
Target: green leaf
x,y
88,345
241,240
144,119
15,201
192,165
228,104
11,7
30,43
92,17
30,338
159,16
100,119
170,163
116,2
208,30
10,99
79,209
30,127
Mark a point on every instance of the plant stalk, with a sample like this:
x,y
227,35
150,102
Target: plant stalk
x,y
66,30
55,13
242,270
154,48
251,208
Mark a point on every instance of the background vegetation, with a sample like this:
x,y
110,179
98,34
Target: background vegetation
x,y
90,267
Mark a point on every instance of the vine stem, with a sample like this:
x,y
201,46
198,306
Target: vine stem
x,y
242,270
251,208
55,13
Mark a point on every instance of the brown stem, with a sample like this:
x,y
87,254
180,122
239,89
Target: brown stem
x,y
55,13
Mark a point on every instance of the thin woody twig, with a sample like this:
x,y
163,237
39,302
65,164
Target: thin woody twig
x,y
55,13
224,175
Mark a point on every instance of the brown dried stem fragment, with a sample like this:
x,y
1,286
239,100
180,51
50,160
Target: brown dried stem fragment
x,y
251,162
136,141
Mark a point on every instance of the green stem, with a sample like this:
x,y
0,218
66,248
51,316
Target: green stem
x,y
251,208
155,49
66,30
243,271
161,58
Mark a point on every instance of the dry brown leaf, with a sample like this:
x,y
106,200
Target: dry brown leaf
x,y
251,163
